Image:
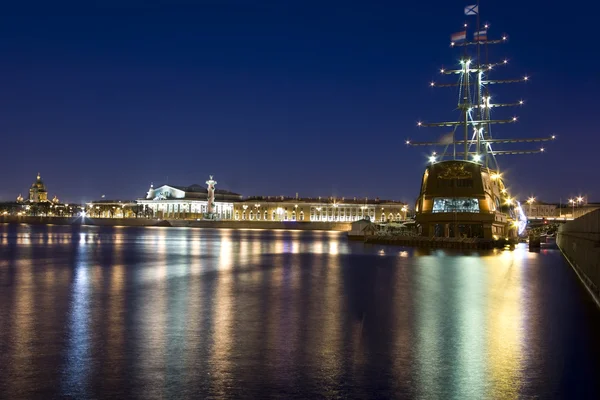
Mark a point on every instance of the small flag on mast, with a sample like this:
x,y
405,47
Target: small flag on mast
x,y
447,138
480,36
459,36
472,10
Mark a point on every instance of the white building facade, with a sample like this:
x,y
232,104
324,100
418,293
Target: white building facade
x,y
187,202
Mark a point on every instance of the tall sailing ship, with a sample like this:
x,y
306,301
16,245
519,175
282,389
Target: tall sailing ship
x,y
463,192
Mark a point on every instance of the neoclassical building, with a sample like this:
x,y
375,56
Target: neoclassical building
x,y
37,193
206,202
318,209
37,203
189,202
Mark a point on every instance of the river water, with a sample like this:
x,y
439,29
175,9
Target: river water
x,y
97,312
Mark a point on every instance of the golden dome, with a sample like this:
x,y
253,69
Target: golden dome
x,y
39,184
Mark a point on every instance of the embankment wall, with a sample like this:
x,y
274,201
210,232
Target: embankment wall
x,y
579,241
294,225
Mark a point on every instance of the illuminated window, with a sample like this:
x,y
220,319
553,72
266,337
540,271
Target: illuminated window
x,y
455,204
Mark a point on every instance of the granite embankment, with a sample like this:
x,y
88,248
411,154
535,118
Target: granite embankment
x,y
579,241
294,225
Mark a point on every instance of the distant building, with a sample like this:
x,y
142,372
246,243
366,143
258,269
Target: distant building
x,y
188,202
330,209
37,192
539,209
37,203
192,202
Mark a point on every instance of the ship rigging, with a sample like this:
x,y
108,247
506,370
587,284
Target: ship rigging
x,y
471,136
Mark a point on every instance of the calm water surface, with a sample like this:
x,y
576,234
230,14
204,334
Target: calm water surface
x,y
89,312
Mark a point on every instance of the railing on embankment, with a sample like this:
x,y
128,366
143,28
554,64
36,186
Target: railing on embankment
x,y
579,241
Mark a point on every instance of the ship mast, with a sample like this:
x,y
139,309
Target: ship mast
x,y
475,102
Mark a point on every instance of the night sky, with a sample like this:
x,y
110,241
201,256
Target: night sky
x,y
278,97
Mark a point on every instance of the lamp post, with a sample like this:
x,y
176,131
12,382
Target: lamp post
x,y
573,202
530,202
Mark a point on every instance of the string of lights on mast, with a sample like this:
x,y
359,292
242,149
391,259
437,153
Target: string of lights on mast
x,y
475,103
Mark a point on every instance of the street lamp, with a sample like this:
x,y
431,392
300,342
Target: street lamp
x,y
573,201
530,202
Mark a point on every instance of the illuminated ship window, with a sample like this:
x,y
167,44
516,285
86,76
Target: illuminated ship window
x,y
455,204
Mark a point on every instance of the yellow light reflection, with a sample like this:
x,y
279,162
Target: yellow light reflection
x,y
221,354
505,323
22,333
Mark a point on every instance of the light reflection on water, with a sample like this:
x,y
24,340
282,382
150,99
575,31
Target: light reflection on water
x,y
156,312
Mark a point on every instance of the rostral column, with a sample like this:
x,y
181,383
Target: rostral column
x,y
211,195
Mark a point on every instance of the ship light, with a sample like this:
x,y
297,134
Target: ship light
x,y
477,158
521,102
432,159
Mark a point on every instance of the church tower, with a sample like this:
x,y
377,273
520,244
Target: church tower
x,y
37,192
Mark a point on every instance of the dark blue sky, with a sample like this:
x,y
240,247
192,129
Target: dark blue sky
x,y
278,97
